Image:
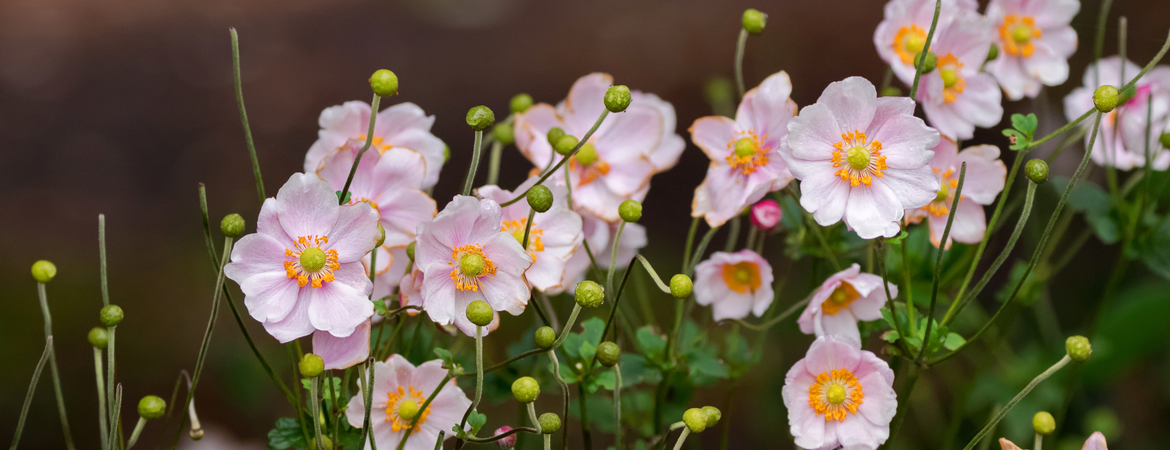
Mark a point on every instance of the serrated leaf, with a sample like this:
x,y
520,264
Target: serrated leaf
x,y
1018,140
636,370
703,364
1025,124
380,307
890,336
286,434
445,355
954,341
602,379
477,421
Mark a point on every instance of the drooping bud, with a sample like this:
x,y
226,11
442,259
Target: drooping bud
x,y
480,118
540,198
1078,348
384,83
525,389
152,407
479,313
311,365
766,214
608,353
617,98
566,144
44,271
589,294
1105,98
927,64
554,135
232,225
549,423
1043,423
99,338
695,419
713,415
520,103
507,442
111,315
545,337
503,133
681,286
1037,171
754,21
630,211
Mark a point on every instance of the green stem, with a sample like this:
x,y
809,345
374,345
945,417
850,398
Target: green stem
x,y
700,249
358,159
103,418
775,320
494,163
528,227
906,280
584,139
613,257
478,376
368,393
244,115
904,404
617,298
315,408
474,163
682,438
111,386
32,388
115,418
43,296
812,225
938,263
552,355
137,431
740,44
423,407
532,415
882,257
617,405
690,243
925,49
1099,42
102,256
646,264
586,434
1003,412
732,235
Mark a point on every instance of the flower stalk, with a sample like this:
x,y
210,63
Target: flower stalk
x,y
32,388
1003,412
43,296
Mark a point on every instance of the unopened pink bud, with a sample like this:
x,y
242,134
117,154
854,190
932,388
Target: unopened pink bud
x,y
507,442
766,214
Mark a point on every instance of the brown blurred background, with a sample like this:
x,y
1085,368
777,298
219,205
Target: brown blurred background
x,y
122,106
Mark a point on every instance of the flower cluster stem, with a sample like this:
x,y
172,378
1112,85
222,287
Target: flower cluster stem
x,y
556,364
137,431
1003,412
358,159
494,163
532,416
244,117
740,45
617,405
474,163
925,50
584,139
938,263
315,410
103,419
32,388
43,296
115,418
617,240
682,438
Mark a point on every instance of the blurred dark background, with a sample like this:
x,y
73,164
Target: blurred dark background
x,y
122,107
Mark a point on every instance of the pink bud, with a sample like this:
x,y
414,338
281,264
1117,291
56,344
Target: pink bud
x,y
507,442
766,214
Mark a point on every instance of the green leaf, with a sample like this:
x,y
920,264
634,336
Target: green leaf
x,y
477,421
602,379
572,345
652,344
703,364
1018,140
898,239
286,434
346,199
593,328
890,336
636,370
954,341
1025,124
1156,252
587,351
380,307
324,386
445,355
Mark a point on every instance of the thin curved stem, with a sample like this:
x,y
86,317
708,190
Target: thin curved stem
x,y
613,256
732,234
43,296
102,257
925,50
584,139
775,320
617,405
700,249
474,163
358,159
884,254
137,431
494,163
478,375
244,115
315,408
617,297
32,388
552,355
495,438
991,227
1003,412
368,393
740,45
646,264
103,417
690,243
115,417
528,227
938,263
682,438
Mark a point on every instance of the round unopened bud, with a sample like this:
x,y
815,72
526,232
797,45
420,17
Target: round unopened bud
x,y
754,21
617,98
152,407
927,64
384,83
506,442
681,286
111,315
1037,171
713,415
408,410
565,144
520,103
525,389
545,337
891,91
992,53
480,118
479,313
540,198
381,236
554,135
1043,423
44,271
1078,348
410,251
549,423
630,211
311,365
99,338
589,294
232,225
695,419
325,442
1105,98
608,354
503,133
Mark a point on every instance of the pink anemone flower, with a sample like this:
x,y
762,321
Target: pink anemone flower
x,y
734,284
620,157
553,237
465,257
985,179
839,396
861,158
404,125
1035,42
346,352
1121,140
902,32
397,381
744,152
957,96
301,271
1096,441
842,300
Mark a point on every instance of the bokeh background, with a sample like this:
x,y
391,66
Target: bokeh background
x,y
122,107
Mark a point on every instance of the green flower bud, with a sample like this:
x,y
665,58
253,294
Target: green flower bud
x,y
555,135
99,338
695,419
565,144
1037,171
608,354
384,83
410,251
539,198
754,21
520,103
480,118
111,315
1164,139
232,225
681,286
152,407
589,294
311,365
525,389
1043,423
992,53
325,441
545,337
503,133
927,64
1105,98
480,313
891,91
549,423
381,236
617,98
630,211
587,154
713,415
1078,348
408,410
44,271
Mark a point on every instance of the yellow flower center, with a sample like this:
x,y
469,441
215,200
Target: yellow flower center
x,y
404,401
949,77
473,265
943,192
587,154
953,82
864,159
1016,35
588,164
748,153
742,277
940,206
836,394
909,41
840,299
310,264
516,229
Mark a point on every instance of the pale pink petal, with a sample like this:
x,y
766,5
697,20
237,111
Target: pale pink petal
x,y
295,324
906,141
713,134
852,102
881,403
340,306
830,353
306,206
355,234
1095,442
873,211
585,102
826,196
843,325
985,173
343,353
531,132
913,188
401,213
450,229
1015,79
811,134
